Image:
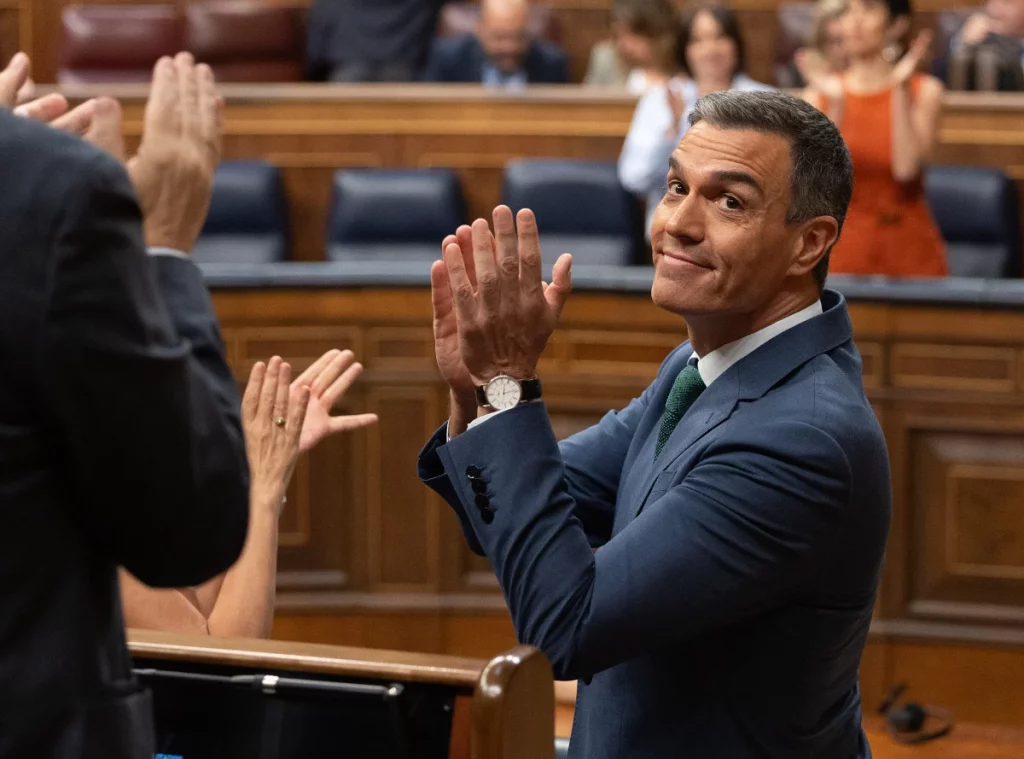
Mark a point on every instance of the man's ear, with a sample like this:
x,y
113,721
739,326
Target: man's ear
x,y
815,238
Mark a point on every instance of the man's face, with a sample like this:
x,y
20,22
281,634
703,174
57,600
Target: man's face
x,y
504,35
1007,17
719,236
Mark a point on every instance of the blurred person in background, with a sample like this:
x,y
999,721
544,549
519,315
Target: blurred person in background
x,y
501,53
644,49
281,419
369,40
889,116
711,59
825,48
988,51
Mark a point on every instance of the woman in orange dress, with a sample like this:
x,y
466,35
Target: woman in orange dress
x,y
888,116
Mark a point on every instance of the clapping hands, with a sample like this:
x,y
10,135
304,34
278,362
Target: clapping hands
x,y
180,148
328,379
283,419
493,313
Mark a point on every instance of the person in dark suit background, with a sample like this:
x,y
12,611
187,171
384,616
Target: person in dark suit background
x,y
120,439
369,40
987,53
500,54
739,507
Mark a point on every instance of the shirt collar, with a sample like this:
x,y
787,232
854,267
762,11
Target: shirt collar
x,y
718,361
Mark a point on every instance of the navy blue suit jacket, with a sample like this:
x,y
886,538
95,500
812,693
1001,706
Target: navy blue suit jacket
x,y
462,59
725,612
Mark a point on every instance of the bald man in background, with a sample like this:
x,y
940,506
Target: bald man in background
x,y
500,54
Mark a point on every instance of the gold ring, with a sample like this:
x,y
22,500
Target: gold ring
x,y
280,421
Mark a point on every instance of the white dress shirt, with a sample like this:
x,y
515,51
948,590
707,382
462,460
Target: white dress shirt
x,y
156,251
716,363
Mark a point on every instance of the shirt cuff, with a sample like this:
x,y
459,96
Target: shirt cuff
x,y
157,251
471,425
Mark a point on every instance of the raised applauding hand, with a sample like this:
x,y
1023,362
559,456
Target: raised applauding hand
x,y
17,93
180,148
493,313
328,379
179,152
282,418
909,63
272,419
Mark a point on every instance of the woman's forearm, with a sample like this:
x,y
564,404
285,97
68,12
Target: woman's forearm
x,y
907,153
147,608
245,605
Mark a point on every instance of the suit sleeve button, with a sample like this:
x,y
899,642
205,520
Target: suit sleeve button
x,y
483,502
473,472
487,515
479,486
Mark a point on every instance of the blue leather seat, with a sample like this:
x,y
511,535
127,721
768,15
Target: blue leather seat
x,y
248,218
580,207
978,214
393,214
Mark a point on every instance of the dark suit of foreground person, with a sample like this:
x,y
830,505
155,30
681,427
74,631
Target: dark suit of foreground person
x,y
120,441
740,527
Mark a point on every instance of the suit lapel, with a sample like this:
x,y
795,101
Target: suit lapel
x,y
713,407
748,379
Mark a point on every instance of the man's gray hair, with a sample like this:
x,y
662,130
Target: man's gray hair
x,y
822,177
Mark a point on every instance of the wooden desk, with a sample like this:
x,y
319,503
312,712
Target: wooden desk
x,y
371,557
503,708
312,130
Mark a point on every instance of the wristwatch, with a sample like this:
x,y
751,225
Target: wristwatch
x,y
504,392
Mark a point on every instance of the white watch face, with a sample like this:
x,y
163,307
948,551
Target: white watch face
x,y
503,392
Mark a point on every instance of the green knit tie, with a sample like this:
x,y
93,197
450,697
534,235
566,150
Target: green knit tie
x,y
685,390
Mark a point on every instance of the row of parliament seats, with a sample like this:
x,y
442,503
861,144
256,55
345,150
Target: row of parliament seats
x,y
403,214
242,41
258,42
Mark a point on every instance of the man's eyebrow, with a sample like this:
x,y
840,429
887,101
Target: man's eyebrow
x,y
738,177
725,176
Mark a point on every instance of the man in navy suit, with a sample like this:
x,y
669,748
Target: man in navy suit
x,y
739,506
501,54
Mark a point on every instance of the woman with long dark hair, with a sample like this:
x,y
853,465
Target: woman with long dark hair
x,y
711,58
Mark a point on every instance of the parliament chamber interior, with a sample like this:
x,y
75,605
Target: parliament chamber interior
x,y
391,637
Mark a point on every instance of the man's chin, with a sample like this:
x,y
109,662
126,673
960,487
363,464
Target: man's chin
x,y
670,294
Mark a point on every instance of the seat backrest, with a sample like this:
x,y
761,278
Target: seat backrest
x,y
977,211
461,18
248,218
117,43
398,214
580,207
247,41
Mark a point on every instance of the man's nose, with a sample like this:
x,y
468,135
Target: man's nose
x,y
686,221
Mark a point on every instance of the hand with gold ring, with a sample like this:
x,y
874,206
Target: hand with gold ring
x,y
272,419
